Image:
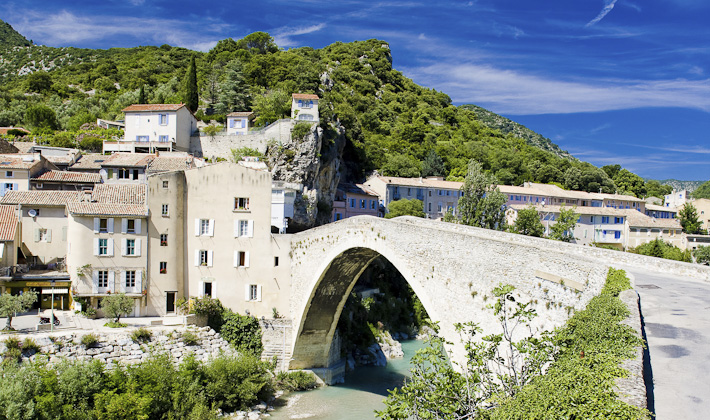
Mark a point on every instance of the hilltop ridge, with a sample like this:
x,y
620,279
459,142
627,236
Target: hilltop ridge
x,y
9,37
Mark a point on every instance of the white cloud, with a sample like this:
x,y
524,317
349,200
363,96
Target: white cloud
x,y
66,28
608,6
512,92
137,2
282,36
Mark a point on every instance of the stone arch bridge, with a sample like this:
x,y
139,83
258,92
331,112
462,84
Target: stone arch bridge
x,y
451,268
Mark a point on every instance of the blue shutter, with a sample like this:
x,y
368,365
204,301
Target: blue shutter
x,y
300,103
244,123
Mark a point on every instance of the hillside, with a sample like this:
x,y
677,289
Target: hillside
x,y
681,185
505,126
389,123
9,37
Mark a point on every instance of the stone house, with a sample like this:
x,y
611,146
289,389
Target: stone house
x,y
437,195
355,200
304,107
17,170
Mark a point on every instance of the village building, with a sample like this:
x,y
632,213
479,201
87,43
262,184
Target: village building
x,y
304,107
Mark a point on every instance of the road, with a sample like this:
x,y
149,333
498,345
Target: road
x,y
676,314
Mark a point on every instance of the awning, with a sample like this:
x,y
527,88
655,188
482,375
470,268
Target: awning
x,y
56,291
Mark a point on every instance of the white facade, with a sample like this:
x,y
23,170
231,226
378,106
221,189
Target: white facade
x,y
677,198
283,197
238,123
304,107
155,127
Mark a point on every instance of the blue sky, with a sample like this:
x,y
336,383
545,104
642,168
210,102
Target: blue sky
x,y
612,81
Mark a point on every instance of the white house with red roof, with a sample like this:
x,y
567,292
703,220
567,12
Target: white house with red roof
x,y
304,107
238,123
151,127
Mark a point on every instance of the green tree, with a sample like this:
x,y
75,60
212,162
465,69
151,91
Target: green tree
x,y
660,249
62,139
401,165
116,305
611,170
39,81
563,229
41,117
10,305
703,191
239,153
433,165
141,95
528,222
233,90
688,216
702,255
79,119
271,106
482,203
655,189
405,207
212,129
629,183
258,43
191,96
573,178
243,332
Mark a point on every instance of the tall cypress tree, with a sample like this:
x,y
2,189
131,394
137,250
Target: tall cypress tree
x,y
141,95
191,98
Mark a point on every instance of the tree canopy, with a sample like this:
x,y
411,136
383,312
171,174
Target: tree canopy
x,y
13,304
703,191
688,216
482,203
563,229
405,207
528,223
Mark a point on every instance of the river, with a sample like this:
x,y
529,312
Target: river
x,y
357,399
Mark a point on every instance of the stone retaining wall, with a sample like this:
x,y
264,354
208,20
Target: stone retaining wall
x,y
276,339
119,347
632,389
222,144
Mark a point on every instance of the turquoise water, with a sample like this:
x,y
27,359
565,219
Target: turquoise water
x,y
356,399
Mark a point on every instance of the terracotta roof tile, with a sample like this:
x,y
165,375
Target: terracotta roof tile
x,y
241,114
64,176
129,159
23,146
40,198
119,194
168,164
99,209
89,161
305,96
8,223
421,182
19,161
152,107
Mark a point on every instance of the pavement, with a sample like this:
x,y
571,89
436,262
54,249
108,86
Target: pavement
x,y
676,317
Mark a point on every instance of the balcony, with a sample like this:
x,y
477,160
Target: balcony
x,y
131,145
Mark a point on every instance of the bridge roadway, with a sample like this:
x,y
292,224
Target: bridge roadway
x,y
676,314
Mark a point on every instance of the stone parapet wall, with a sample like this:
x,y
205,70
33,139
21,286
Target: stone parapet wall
x,y
222,144
119,347
632,389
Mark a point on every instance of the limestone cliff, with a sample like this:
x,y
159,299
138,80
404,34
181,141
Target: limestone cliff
x,y
312,159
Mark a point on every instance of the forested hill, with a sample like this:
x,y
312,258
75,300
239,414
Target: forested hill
x,y
390,123
506,126
10,37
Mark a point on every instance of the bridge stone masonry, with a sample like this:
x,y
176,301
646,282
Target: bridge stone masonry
x,y
452,269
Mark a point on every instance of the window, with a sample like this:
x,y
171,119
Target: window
x,y
164,210
439,206
9,187
207,289
363,203
163,267
130,247
204,227
243,228
429,193
241,259
306,117
605,219
163,239
276,261
103,225
253,292
165,184
130,226
352,203
241,203
8,174
43,235
338,216
409,191
135,174
429,205
618,220
102,276
124,173
163,119
103,246
130,279
203,257
163,139
373,204
617,234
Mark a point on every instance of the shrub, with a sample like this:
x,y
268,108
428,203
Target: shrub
x,y
243,332
301,130
30,346
91,144
190,339
234,383
114,306
211,308
89,340
13,351
296,381
141,335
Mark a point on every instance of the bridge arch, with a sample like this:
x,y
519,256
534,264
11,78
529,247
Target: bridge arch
x,y
451,268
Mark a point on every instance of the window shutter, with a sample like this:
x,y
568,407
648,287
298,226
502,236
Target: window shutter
x,y
95,282
15,187
96,246
64,233
124,246
49,235
258,293
231,123
197,227
300,103
210,255
210,229
250,230
236,258
197,257
124,225
236,228
138,247
214,290
110,225
2,190
244,123
139,280
138,226
123,286
110,247
111,280
246,292
96,224
36,235
246,259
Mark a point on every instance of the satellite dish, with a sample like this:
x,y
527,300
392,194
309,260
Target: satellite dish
x,y
32,212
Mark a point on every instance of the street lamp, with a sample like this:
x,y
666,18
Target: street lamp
x,y
51,321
